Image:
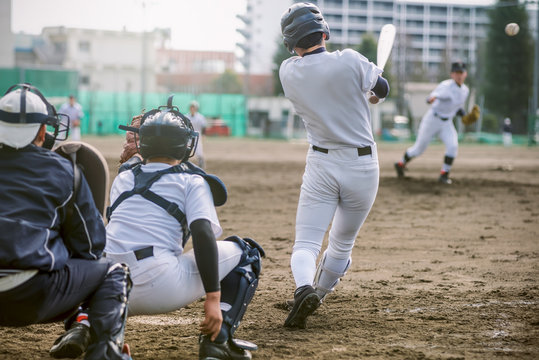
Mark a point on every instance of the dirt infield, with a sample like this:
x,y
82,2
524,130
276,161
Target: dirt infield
x,y
438,272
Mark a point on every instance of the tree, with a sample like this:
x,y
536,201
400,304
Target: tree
x,y
280,55
508,64
228,83
368,47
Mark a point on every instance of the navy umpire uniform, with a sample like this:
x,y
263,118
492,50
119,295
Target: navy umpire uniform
x,y
52,237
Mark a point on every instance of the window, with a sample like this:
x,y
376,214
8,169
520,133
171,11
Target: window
x,y
84,46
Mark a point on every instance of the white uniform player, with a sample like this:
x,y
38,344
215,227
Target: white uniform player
x,y
447,101
199,124
328,90
155,208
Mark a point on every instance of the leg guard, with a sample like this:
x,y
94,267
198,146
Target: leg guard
x,y
239,286
406,157
448,161
325,279
108,314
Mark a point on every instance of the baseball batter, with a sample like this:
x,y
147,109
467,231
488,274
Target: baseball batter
x,y
447,101
328,90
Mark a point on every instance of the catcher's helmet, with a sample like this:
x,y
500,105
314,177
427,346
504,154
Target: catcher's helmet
x,y
300,20
167,132
23,109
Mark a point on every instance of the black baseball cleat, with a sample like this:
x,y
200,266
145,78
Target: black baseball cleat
x,y
399,167
232,349
444,178
72,343
306,301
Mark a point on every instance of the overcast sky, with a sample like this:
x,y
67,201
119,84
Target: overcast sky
x,y
194,24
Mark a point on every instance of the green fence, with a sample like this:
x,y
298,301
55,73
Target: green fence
x,y
104,111
52,83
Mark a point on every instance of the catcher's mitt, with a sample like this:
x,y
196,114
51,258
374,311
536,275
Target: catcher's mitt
x,y
130,148
472,116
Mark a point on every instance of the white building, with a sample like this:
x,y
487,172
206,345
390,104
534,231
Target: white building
x,y
430,33
7,53
106,60
262,33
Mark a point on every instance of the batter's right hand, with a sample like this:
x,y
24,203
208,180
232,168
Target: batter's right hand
x,y
213,318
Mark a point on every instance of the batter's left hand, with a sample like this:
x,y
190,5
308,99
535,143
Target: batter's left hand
x,y
212,315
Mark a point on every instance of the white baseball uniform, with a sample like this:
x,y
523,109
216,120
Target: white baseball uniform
x,y
169,279
340,181
438,121
199,123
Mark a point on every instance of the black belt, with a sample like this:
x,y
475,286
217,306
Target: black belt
x,y
441,118
360,151
144,253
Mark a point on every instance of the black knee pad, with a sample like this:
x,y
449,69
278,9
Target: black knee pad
x,y
239,286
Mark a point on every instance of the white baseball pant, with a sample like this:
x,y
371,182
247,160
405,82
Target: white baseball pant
x,y
339,186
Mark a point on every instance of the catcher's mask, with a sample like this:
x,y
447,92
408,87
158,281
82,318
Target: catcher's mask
x,y
300,20
165,132
23,106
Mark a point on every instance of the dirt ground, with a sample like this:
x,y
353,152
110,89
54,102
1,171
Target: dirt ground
x,y
438,272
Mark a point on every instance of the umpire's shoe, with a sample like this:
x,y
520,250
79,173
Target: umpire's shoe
x,y
306,301
72,343
228,350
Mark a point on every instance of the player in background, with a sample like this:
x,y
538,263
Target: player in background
x,y
155,207
74,110
199,124
52,235
447,101
329,91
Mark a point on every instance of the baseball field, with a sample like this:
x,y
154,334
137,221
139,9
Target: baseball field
x,y
438,272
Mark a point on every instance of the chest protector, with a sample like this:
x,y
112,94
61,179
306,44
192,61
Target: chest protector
x,y
145,180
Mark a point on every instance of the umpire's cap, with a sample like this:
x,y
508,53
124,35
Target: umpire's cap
x,y
300,20
458,66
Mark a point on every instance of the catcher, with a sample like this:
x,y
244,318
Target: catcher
x,y
158,200
447,101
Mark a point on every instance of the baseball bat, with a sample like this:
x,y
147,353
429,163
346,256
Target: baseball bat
x,y
385,43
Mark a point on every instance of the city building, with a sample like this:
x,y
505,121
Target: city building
x,y
193,71
430,33
7,57
106,60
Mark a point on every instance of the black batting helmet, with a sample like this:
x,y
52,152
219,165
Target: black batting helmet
x,y
167,132
300,20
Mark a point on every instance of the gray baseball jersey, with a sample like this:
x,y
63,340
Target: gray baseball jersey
x,y
316,83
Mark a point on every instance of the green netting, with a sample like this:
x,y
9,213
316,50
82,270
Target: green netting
x,y
104,111
52,83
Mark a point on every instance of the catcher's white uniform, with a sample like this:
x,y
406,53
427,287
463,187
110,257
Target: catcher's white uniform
x,y
341,174
168,280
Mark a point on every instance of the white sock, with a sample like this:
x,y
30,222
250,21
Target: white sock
x,y
303,265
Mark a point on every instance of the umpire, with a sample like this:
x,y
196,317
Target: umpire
x,y
51,235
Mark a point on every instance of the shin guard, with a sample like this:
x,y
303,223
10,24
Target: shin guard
x,y
239,286
108,314
326,279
